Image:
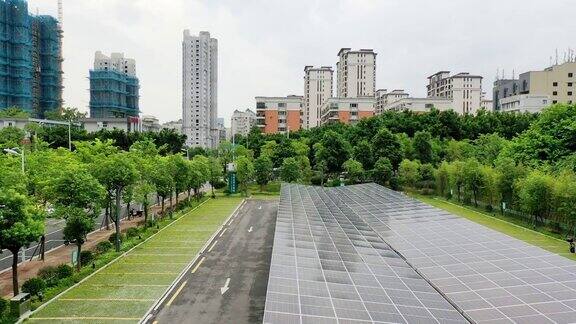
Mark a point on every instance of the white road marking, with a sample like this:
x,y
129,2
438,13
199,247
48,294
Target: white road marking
x,y
226,287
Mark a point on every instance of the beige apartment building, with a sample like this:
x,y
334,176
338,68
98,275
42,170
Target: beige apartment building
x,y
464,89
356,73
279,114
347,110
534,90
317,89
242,122
385,98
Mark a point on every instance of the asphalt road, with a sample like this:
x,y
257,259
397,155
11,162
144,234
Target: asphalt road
x,y
229,284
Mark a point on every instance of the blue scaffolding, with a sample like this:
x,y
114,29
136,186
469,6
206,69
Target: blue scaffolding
x,y
113,94
30,59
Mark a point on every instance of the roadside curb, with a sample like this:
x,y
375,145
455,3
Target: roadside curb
x,y
26,316
160,301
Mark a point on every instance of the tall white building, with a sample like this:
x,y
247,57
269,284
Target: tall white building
x,y
385,98
199,89
464,89
317,89
115,62
243,121
356,73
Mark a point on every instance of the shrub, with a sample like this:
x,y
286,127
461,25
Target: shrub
x,y
132,232
86,257
50,275
103,247
219,184
34,286
112,238
64,271
4,304
316,179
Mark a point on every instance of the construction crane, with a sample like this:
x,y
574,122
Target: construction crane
x,y
60,13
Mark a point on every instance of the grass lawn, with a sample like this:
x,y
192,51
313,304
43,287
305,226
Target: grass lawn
x,y
549,243
125,290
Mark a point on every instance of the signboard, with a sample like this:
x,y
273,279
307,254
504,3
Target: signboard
x,y
232,185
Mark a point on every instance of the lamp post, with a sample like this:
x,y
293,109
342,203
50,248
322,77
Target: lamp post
x,y
14,151
187,153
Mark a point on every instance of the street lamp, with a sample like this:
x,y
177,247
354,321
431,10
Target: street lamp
x,y
187,153
14,151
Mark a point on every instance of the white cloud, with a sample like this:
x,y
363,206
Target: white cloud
x,y
264,44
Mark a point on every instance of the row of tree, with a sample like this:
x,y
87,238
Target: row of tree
x,y
77,185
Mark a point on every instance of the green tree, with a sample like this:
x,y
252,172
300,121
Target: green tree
x,y
163,180
244,173
215,173
290,170
78,225
14,112
442,178
116,173
11,137
21,223
488,147
263,171
473,179
423,146
409,173
565,197
354,170
333,150
509,174
362,152
457,178
536,194
490,181
385,144
383,171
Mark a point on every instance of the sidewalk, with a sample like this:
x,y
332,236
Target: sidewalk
x,y
63,254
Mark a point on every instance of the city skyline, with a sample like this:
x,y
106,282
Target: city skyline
x,y
256,60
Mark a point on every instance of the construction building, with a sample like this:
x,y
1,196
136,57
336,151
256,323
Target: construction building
x,y
114,87
30,60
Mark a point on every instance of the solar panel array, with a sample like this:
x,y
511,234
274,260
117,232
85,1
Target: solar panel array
x,y
329,266
490,276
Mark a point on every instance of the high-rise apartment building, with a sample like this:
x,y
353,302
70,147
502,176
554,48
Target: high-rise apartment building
x,y
279,114
356,73
464,89
385,98
200,89
243,121
114,87
317,89
534,90
30,60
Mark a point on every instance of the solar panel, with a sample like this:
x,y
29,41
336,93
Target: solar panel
x,y
488,275
330,266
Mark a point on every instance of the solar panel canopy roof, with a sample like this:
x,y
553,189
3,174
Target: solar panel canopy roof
x,y
366,254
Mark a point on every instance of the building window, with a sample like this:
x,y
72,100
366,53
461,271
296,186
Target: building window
x,y
281,105
554,84
569,84
554,93
569,93
554,101
570,74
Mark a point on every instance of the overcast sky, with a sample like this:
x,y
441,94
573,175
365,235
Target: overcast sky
x,y
264,44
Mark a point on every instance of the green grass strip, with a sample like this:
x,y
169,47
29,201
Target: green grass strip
x,y
128,287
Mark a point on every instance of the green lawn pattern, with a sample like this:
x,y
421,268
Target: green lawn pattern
x,y
125,290
541,240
